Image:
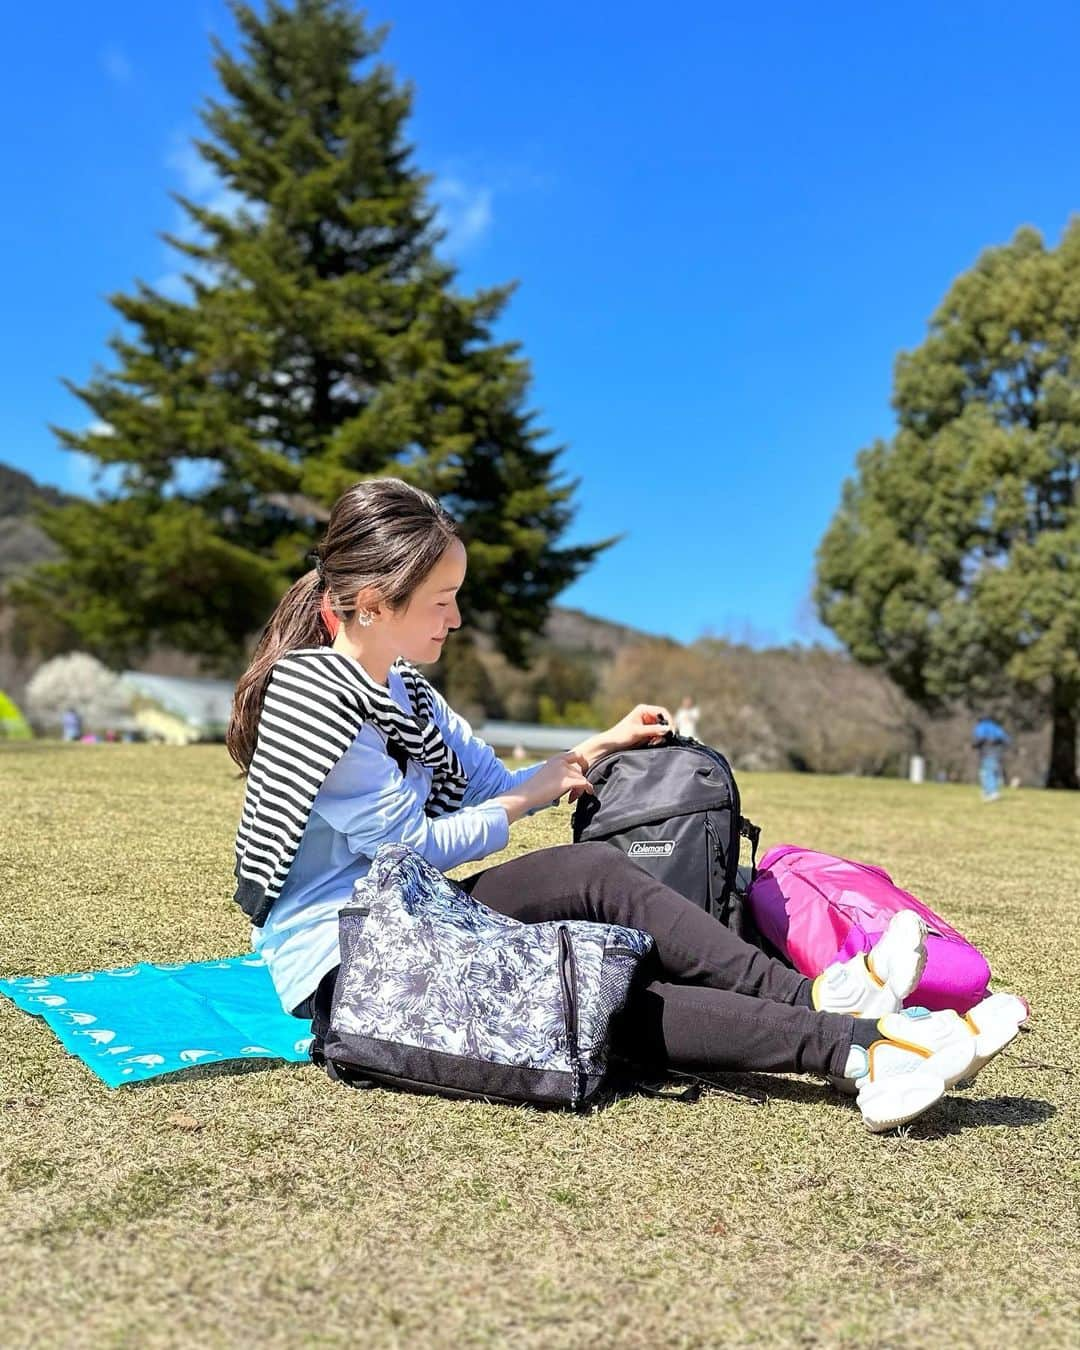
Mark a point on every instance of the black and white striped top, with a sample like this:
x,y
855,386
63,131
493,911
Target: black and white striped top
x,y
315,704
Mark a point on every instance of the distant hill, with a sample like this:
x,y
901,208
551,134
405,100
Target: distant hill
x,y
574,631
802,708
19,493
22,542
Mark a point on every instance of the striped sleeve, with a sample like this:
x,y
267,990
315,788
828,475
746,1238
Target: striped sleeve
x,y
307,723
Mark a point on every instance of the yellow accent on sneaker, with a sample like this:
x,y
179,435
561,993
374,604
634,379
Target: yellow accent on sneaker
x,y
896,1044
942,1039
896,1041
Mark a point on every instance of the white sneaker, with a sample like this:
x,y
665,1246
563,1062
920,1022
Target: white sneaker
x,y
1017,1007
940,1041
920,1049
919,1056
877,983
958,1047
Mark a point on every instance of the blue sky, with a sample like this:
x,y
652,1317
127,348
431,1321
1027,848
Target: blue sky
x,y
726,221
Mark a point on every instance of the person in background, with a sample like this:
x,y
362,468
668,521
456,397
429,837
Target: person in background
x,y
990,739
71,724
687,717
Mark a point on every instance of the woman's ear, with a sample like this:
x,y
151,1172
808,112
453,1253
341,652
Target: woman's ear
x,y
369,600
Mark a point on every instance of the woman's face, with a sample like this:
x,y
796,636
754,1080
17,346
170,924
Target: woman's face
x,y
419,631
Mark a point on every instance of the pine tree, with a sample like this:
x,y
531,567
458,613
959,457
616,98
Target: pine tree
x,y
323,341
954,558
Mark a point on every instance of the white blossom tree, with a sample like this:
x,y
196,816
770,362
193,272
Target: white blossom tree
x,y
82,682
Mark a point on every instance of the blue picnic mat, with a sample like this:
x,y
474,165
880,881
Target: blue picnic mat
x,y
136,1022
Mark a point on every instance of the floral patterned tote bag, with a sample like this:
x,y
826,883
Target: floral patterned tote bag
x,y
438,993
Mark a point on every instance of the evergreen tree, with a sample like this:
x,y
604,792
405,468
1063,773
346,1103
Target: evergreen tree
x,y
954,559
323,341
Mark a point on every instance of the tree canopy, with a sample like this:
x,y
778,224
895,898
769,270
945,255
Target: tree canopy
x,y
322,341
953,560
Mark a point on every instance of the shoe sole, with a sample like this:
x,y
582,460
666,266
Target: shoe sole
x,y
899,1099
901,982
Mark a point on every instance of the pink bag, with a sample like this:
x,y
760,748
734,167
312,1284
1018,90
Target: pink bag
x,y
817,909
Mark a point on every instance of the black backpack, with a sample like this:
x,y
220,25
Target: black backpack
x,y
674,809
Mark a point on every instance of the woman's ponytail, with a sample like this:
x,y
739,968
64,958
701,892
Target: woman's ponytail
x,y
296,622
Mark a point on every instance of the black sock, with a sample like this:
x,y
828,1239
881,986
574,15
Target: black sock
x,y
866,1032
805,997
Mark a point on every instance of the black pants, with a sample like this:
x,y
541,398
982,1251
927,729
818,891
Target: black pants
x,y
706,1000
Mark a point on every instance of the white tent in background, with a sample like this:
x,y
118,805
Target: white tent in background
x,y
180,709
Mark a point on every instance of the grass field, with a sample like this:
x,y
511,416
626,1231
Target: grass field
x,y
272,1207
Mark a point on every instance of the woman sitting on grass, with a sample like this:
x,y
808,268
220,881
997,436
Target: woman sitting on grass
x,y
382,597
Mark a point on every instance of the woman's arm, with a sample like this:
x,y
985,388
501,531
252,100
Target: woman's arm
x,y
368,800
488,776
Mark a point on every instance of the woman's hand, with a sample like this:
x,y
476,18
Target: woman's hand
x,y
562,774
557,776
639,727
553,780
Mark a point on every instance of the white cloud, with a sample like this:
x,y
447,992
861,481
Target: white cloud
x,y
87,476
464,212
115,64
79,476
197,176
200,182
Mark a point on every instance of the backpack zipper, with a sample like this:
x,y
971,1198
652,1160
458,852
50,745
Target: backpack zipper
x,y
711,856
682,742
568,984
610,754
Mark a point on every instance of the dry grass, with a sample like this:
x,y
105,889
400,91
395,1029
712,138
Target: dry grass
x,y
289,1211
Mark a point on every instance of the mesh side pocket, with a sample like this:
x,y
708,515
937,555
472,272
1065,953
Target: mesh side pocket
x,y
616,976
351,931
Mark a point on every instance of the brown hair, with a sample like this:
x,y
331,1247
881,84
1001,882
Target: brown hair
x,y
382,533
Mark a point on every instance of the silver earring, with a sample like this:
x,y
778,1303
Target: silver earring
x,y
364,618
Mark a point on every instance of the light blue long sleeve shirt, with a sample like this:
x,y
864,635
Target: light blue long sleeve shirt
x,y
366,801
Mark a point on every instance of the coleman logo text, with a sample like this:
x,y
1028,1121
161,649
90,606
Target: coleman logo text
x,y
651,848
